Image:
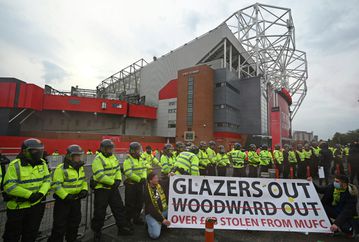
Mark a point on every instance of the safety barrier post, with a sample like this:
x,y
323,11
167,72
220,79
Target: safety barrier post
x,y
209,233
308,171
337,169
277,173
291,170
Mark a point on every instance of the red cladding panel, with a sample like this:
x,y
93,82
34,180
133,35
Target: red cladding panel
x,y
30,96
83,104
285,93
7,94
12,144
169,90
142,111
275,128
226,135
280,121
284,117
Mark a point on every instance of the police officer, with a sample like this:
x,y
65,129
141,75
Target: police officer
x,y
70,187
222,161
26,183
55,153
338,159
167,161
302,166
211,153
204,162
278,158
106,180
150,160
309,161
237,158
253,160
266,158
180,147
285,163
293,161
135,171
315,158
187,162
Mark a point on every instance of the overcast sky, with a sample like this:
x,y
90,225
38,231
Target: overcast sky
x,y
64,43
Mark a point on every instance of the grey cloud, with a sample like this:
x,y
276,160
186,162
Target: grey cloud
x,y
192,20
332,26
53,72
19,31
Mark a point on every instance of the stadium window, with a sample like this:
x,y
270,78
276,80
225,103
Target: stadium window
x,y
190,87
232,88
171,123
220,84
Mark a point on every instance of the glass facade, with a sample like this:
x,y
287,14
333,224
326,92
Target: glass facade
x,y
190,87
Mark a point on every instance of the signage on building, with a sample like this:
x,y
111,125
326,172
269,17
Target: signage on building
x,y
190,73
189,136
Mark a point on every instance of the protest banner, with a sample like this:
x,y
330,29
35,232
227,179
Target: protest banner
x,y
246,204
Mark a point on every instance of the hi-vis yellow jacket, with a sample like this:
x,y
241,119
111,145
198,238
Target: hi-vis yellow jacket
x,y
21,180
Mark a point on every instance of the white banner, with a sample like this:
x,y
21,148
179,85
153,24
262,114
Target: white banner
x,y
246,204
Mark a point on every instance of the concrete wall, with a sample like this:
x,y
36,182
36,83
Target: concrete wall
x,y
136,126
57,121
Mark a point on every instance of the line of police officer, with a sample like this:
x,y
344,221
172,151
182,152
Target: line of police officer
x,y
27,181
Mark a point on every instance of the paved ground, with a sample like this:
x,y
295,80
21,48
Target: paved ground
x,y
180,235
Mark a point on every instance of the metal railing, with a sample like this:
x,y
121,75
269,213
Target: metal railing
x,y
55,160
47,219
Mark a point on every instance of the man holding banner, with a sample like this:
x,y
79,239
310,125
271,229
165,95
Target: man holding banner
x,y
339,201
155,206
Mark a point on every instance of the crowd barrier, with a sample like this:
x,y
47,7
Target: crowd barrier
x,y
47,220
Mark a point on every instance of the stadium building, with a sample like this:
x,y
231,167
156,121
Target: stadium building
x,y
242,81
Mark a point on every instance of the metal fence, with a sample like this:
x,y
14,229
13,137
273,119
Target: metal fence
x,y
55,160
47,220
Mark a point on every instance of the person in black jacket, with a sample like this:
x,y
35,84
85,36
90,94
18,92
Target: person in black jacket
x,y
4,161
339,201
325,160
353,160
155,206
285,164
